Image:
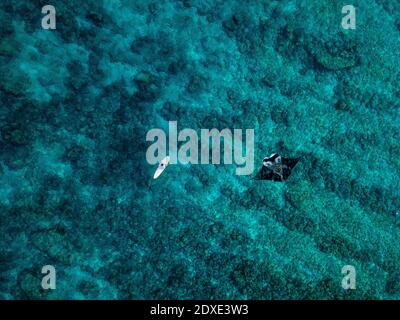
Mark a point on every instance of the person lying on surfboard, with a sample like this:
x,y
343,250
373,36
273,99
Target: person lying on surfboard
x,y
161,167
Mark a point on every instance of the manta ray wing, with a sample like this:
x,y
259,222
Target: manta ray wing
x,y
267,174
280,173
290,162
264,174
288,165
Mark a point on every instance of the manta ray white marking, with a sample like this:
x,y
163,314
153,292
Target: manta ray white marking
x,y
161,167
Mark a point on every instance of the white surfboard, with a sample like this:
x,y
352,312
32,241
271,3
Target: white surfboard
x,y
161,167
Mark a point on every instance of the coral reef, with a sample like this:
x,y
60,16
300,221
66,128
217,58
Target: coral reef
x,y
76,191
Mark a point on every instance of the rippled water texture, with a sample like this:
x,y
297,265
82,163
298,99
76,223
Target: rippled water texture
x,y
77,193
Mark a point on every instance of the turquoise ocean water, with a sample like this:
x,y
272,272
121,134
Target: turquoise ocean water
x,y
76,191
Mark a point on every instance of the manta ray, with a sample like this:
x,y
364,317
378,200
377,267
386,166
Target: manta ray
x,y
276,168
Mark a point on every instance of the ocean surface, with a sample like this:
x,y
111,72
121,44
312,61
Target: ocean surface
x,y
76,190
